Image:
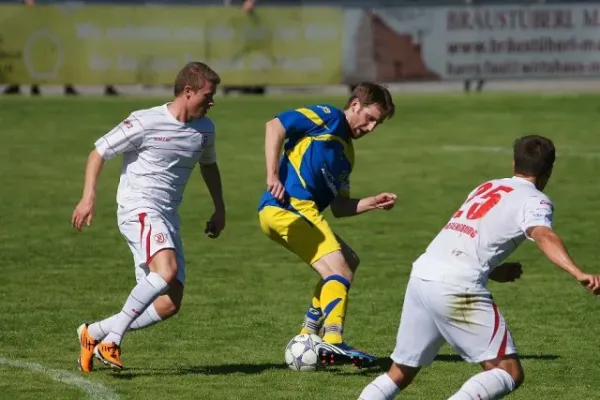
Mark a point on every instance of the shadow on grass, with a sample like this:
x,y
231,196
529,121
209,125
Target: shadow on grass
x,y
385,363
224,369
255,369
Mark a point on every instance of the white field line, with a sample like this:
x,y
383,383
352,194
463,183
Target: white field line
x,y
94,390
506,150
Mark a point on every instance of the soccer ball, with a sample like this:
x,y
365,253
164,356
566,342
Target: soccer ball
x,y
302,352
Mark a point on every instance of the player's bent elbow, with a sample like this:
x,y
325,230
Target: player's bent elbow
x,y
337,210
95,155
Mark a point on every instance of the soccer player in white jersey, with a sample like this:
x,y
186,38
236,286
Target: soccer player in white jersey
x,y
447,299
161,146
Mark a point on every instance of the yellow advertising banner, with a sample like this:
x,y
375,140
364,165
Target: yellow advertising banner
x,y
83,44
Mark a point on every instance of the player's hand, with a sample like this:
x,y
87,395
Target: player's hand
x,y
215,225
591,282
84,212
275,187
507,272
385,201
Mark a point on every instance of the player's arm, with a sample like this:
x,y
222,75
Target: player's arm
x,y
126,136
84,211
554,249
212,178
275,134
209,169
289,124
537,225
343,206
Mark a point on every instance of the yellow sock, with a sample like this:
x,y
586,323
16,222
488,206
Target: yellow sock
x,y
334,300
314,314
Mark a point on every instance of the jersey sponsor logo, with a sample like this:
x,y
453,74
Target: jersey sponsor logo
x,y
549,204
329,180
128,124
326,110
160,238
162,139
461,228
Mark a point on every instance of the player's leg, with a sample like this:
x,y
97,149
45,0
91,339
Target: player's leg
x,y
90,335
163,308
163,269
337,277
499,378
306,233
387,386
313,320
477,330
157,239
314,315
417,343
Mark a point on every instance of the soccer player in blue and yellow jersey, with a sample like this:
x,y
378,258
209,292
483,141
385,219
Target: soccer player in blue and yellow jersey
x,y
312,174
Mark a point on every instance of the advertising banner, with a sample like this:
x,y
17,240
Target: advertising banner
x,y
494,42
91,44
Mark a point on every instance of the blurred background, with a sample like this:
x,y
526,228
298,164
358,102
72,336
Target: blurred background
x,y
135,46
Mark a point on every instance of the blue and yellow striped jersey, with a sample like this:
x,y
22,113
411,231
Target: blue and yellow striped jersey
x,y
317,159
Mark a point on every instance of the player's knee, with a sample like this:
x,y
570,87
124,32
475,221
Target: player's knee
x,y
353,261
168,305
510,365
164,263
518,375
341,269
402,375
173,308
333,264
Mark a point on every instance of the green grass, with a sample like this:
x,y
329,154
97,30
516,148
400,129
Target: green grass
x,y
245,297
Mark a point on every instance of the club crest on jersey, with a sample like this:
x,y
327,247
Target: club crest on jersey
x,y
160,238
203,141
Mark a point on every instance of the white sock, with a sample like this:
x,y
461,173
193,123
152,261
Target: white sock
x,y
382,388
145,292
148,318
99,330
489,385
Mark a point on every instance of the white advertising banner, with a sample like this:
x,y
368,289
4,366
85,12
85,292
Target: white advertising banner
x,y
433,43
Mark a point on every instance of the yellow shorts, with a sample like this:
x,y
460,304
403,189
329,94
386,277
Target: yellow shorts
x,y
307,235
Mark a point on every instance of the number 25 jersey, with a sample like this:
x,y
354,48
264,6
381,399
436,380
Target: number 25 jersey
x,y
488,227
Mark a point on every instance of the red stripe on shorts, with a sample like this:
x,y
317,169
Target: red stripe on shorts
x,y
502,350
496,321
142,217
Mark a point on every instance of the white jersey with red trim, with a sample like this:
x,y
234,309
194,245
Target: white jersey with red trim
x,y
159,154
487,228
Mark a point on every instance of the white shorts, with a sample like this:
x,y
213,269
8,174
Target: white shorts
x,y
147,233
435,312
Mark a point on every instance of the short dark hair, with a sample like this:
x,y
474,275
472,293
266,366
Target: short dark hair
x,y
194,74
368,93
534,155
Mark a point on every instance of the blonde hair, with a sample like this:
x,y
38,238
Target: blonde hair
x,y
194,74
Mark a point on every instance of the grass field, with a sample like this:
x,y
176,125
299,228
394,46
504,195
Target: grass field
x,y
245,297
